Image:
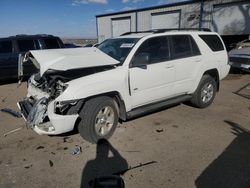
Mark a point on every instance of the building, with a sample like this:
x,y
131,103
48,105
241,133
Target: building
x,y
227,17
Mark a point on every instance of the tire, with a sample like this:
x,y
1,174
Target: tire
x,y
99,118
205,92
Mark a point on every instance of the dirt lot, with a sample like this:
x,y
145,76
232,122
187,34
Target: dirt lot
x,y
192,147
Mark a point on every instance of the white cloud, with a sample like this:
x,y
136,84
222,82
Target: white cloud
x,y
77,2
125,1
128,8
132,1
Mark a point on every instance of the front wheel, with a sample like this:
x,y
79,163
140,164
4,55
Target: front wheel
x,y
205,92
99,118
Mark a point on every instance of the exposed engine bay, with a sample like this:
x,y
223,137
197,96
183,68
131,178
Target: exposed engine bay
x,y
54,82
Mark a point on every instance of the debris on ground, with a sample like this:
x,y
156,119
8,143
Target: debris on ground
x,y
40,147
159,130
11,112
175,126
122,172
12,131
77,150
51,163
53,153
65,148
28,166
4,99
244,91
65,139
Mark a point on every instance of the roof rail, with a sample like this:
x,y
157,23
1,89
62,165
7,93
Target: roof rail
x,y
165,30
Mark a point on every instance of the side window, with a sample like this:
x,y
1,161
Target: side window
x,y
51,43
213,41
25,45
181,46
157,48
5,46
195,48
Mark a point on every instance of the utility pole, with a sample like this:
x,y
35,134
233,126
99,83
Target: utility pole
x,y
201,14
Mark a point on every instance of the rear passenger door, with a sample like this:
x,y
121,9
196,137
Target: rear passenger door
x,y
187,60
8,59
153,81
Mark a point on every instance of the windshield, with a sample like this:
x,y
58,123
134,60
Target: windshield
x,y
118,48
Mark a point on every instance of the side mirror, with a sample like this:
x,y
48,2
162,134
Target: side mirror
x,y
141,59
109,181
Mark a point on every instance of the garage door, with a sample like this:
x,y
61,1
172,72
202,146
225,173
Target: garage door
x,y
166,20
231,19
120,26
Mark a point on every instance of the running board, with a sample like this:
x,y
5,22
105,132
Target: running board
x,y
156,106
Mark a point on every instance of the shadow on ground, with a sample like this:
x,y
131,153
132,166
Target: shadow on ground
x,y
108,161
232,168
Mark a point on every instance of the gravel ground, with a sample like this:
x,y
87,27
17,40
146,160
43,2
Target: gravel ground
x,y
191,147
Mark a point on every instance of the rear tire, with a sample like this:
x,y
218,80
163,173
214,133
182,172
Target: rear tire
x,y
205,92
99,118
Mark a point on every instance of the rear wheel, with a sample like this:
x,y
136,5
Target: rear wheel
x,y
205,92
99,118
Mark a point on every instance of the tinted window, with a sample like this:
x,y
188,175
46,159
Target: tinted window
x,y
157,48
5,47
195,48
25,45
213,41
181,46
51,43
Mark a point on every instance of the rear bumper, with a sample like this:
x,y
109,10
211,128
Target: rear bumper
x,y
40,117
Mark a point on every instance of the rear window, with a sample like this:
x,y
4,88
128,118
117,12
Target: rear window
x,y
25,45
51,43
213,41
5,47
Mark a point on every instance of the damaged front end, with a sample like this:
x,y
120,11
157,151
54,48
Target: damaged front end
x,y
41,109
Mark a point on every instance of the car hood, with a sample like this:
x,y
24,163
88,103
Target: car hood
x,y
243,52
66,59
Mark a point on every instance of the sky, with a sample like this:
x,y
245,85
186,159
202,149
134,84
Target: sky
x,y
63,18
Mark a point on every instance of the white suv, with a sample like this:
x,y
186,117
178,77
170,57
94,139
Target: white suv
x,y
137,73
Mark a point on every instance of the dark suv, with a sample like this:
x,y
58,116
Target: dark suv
x,y
11,47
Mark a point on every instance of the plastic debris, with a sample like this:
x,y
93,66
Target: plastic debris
x,y
40,147
159,130
51,163
77,150
15,130
12,112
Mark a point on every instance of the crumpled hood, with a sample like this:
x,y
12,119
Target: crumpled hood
x,y
66,59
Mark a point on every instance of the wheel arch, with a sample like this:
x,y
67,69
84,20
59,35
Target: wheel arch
x,y
119,100
214,74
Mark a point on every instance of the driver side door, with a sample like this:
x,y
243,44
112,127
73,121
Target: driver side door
x,y
153,80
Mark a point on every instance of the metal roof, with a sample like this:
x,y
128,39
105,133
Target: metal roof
x,y
150,8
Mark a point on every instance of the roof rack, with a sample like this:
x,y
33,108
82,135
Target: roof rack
x,y
165,30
